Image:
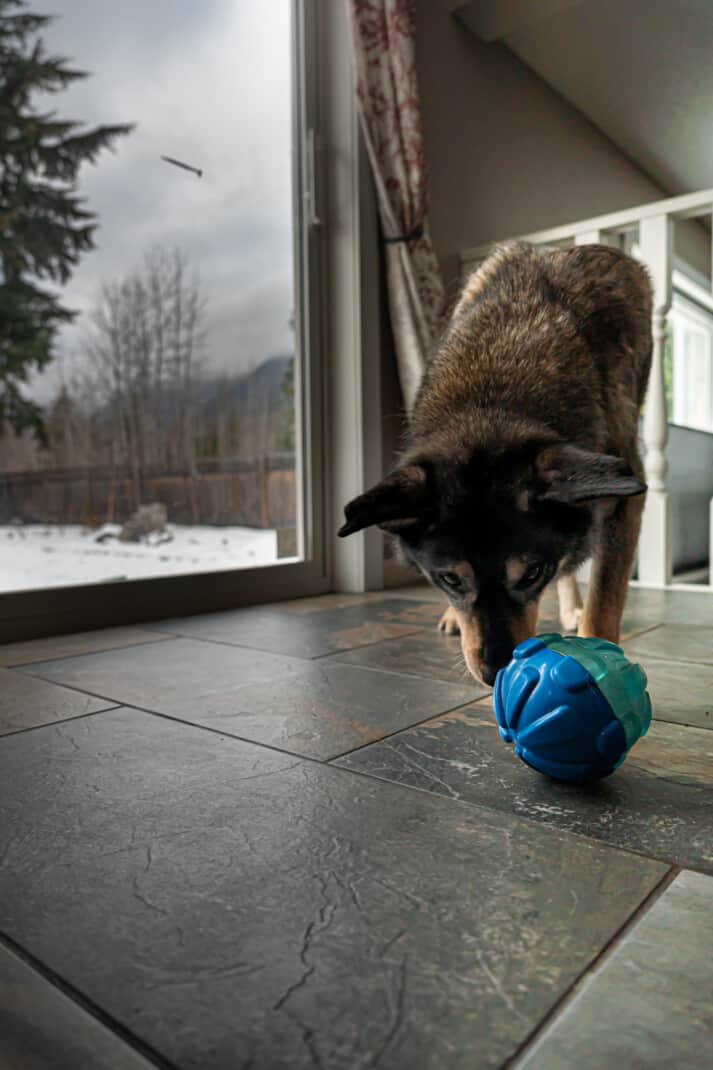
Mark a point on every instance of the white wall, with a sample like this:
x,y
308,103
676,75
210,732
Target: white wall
x,y
506,154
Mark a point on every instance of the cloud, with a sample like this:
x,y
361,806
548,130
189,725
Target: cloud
x,y
207,82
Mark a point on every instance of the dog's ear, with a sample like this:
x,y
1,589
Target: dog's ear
x,y
571,476
400,501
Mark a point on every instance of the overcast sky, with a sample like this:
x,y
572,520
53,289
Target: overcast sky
x,y
207,82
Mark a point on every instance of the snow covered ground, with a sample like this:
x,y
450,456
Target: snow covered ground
x,y
34,556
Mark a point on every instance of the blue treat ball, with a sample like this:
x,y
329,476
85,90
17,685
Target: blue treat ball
x,y
572,707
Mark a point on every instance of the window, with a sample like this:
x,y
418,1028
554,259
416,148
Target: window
x,y
170,402
219,421
689,358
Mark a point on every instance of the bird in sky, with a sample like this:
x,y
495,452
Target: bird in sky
x,y
185,166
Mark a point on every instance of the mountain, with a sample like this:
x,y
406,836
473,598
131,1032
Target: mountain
x,y
260,389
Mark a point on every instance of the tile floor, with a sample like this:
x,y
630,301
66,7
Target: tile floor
x,y
290,837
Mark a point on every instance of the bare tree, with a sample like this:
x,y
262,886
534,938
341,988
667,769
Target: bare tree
x,y
144,352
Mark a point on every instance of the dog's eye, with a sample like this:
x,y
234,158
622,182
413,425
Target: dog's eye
x,y
530,576
451,580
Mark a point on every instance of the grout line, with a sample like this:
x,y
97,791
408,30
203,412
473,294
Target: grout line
x,y
173,636
400,731
597,964
221,732
87,1005
658,719
72,687
120,704
589,838
468,681
368,774
307,659
328,763
416,629
88,653
294,754
484,698
594,841
636,632
669,659
58,721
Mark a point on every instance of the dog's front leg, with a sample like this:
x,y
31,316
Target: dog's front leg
x,y
570,602
449,622
611,571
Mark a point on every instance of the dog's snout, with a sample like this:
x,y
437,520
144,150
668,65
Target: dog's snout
x,y
485,655
493,657
488,673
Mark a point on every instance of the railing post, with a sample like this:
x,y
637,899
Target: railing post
x,y
593,237
655,244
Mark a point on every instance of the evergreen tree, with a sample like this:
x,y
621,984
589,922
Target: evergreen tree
x,y
44,224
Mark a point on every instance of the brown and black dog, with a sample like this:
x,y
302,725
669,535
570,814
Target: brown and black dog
x,y
521,459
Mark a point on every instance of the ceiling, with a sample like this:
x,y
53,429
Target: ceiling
x,y
641,70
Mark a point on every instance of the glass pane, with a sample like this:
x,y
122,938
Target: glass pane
x,y
692,364
169,402
695,363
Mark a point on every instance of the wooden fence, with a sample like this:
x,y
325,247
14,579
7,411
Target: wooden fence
x,y
259,492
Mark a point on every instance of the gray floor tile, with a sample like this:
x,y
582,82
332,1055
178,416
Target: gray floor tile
x,y
229,904
680,692
423,591
62,646
318,709
308,631
177,676
328,709
634,620
631,625
322,602
428,653
649,1005
659,803
26,702
675,642
673,607
42,1029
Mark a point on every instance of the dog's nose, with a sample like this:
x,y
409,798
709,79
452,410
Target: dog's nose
x,y
488,673
493,657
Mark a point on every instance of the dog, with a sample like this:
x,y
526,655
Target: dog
x,y
521,458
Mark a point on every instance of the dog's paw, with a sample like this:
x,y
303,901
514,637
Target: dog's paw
x,y
449,622
570,618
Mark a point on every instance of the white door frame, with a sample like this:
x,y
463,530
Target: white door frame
x,y
352,313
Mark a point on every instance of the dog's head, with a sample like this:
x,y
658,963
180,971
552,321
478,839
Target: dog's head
x,y
493,532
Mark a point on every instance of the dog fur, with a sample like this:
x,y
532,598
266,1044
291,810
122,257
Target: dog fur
x,y
521,459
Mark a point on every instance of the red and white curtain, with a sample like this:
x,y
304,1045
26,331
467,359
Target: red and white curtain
x,y
384,34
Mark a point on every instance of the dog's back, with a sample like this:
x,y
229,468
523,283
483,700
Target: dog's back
x,y
559,338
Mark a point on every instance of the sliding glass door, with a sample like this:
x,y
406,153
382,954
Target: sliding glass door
x,y
176,464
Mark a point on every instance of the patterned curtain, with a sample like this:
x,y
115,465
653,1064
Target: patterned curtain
x,y
384,33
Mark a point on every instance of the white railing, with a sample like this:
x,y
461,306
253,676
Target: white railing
x,y
647,232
